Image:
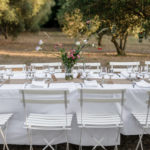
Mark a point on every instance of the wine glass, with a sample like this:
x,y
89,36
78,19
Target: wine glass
x,y
9,73
103,72
110,73
143,72
87,72
130,71
1,75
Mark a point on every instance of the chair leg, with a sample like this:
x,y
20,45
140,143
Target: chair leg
x,y
48,144
56,147
80,146
30,138
116,147
98,143
4,139
67,145
140,142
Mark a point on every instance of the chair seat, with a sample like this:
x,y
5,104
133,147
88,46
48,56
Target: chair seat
x,y
96,120
45,121
141,118
4,118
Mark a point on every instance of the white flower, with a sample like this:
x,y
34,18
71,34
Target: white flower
x,y
93,45
78,43
85,41
41,42
38,48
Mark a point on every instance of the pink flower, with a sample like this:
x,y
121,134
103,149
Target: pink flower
x,y
73,57
78,56
72,51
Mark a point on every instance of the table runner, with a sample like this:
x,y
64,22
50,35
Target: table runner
x,y
106,81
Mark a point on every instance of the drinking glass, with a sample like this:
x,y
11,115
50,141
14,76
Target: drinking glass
x,y
9,73
110,73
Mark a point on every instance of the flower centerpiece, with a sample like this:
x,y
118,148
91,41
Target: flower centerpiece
x,y
69,59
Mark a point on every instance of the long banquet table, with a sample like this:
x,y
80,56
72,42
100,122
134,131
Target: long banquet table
x,y
10,103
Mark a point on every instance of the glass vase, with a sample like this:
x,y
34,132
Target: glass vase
x,y
68,73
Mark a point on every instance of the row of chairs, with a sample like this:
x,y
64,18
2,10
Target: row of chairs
x,y
62,122
116,66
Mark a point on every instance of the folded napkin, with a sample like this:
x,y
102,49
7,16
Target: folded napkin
x,y
92,83
38,84
143,84
70,86
126,75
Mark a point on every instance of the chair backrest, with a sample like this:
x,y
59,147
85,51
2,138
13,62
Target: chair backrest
x,y
93,66
79,66
101,96
42,65
122,66
147,65
147,62
43,96
14,67
100,92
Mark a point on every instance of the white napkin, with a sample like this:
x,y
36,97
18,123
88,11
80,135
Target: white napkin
x,y
143,84
126,75
92,83
70,86
38,84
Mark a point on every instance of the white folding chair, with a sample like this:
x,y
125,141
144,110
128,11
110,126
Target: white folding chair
x,y
123,66
147,65
56,65
100,121
58,122
79,66
144,121
4,118
94,67
16,67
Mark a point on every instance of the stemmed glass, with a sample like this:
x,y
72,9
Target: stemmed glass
x,y
130,71
52,72
9,73
1,75
143,71
102,73
110,73
87,72
148,73
30,74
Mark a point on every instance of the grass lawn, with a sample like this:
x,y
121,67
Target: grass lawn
x,y
22,49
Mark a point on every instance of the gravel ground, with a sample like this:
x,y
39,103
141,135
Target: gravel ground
x,y
127,143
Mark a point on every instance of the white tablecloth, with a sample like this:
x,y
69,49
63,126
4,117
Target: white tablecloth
x,y
10,102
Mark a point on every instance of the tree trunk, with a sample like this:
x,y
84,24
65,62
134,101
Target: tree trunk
x,y
4,31
100,36
120,47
